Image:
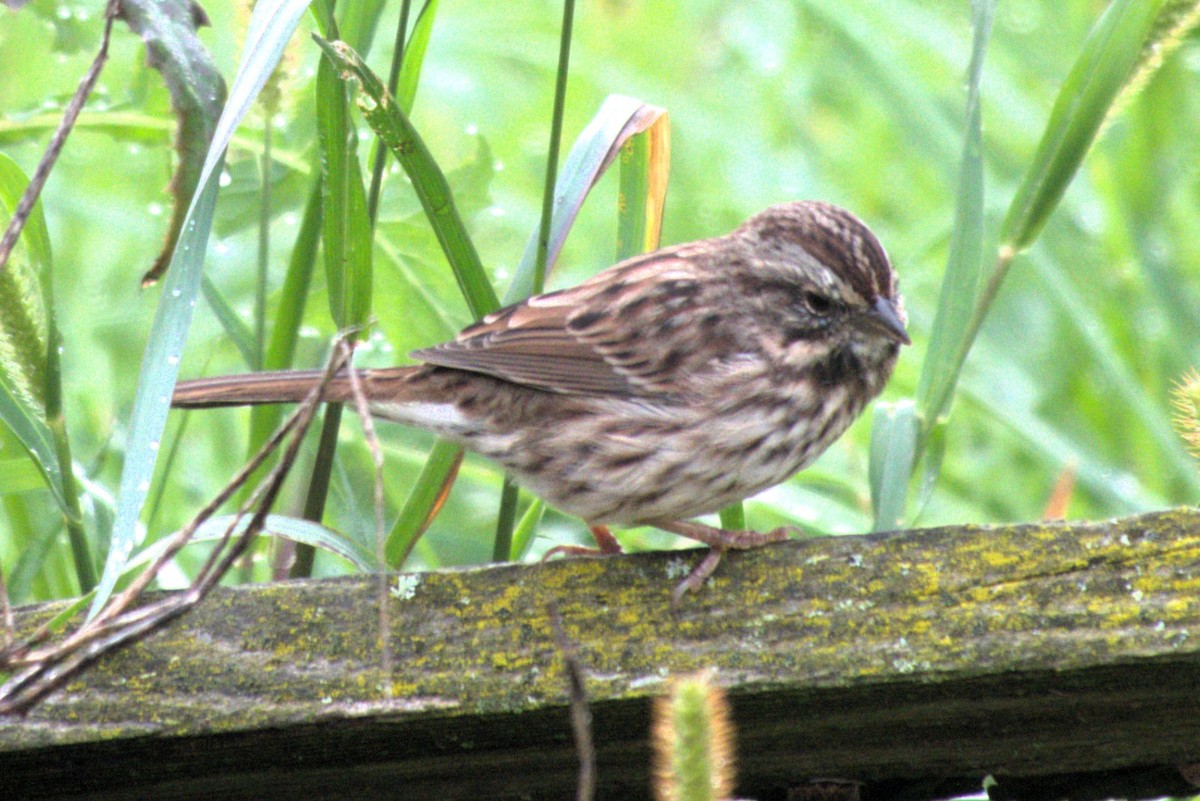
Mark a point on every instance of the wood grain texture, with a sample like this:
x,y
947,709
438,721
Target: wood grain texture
x,y
917,663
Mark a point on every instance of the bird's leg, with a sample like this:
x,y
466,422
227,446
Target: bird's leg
x,y
606,545
719,541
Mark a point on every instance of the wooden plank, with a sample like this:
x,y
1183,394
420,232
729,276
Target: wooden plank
x,y
917,662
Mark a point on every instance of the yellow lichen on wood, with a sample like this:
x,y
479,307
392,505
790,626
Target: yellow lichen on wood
x,y
943,603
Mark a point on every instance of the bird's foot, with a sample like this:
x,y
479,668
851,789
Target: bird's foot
x,y
719,541
700,573
726,538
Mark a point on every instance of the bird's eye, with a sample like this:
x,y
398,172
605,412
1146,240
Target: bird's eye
x,y
817,303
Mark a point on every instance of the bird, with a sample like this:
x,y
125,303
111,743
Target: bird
x,y
661,389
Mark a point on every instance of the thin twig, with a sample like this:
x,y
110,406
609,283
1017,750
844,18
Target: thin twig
x,y
40,175
118,623
318,487
303,416
581,713
364,415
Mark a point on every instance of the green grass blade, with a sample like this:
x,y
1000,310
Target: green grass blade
x,y
293,298
560,97
237,331
137,128
271,25
893,453
405,73
298,530
423,502
263,260
346,246
156,380
31,430
31,379
346,231
733,517
414,56
81,550
632,234
951,336
213,530
1105,64
645,162
948,342
506,518
394,128
35,574
526,528
293,295
600,142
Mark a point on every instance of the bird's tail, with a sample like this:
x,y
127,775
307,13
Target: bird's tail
x,y
289,386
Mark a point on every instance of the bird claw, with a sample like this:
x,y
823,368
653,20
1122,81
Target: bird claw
x,y
784,533
700,573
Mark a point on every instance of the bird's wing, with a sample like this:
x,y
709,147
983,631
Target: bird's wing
x,y
612,335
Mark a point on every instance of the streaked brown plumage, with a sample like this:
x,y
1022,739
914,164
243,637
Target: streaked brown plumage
x,y
663,388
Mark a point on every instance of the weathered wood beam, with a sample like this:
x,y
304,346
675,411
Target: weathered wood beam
x,y
917,663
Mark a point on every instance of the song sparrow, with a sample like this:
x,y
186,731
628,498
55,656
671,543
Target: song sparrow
x,y
665,387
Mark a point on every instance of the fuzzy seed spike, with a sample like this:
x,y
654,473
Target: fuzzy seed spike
x,y
693,741
1186,400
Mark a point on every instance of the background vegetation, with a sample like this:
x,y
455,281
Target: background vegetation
x,y
859,103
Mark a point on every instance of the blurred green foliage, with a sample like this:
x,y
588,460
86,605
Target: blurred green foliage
x,y
852,101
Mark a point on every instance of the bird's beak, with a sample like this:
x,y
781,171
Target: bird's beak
x,y
887,316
